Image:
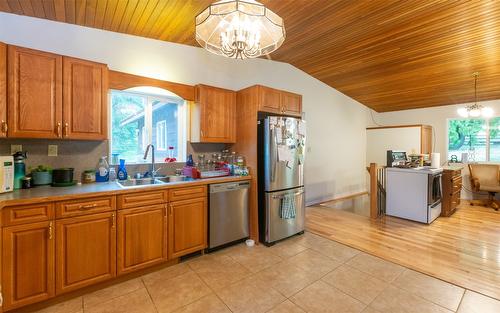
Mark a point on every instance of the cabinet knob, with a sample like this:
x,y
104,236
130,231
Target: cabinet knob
x,y
50,231
58,129
4,127
65,131
113,220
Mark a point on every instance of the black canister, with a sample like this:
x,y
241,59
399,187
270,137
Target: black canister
x,y
26,182
62,175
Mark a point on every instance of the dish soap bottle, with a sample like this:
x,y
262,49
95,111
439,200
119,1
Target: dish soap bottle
x,y
122,171
102,172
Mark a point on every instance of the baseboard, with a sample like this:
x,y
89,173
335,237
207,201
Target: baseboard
x,y
345,197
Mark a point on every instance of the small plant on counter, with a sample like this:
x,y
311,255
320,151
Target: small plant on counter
x,y
41,175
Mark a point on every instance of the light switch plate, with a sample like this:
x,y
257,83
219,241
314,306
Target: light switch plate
x,y
15,148
52,150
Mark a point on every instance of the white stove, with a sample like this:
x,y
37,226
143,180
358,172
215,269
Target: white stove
x,y
414,193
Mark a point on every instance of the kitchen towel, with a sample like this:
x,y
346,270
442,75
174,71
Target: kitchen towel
x,y
287,207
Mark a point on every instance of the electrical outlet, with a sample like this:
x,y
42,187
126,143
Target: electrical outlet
x,y
15,148
308,149
52,150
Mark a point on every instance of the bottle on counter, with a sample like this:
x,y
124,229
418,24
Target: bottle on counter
x,y
112,174
102,172
122,171
189,161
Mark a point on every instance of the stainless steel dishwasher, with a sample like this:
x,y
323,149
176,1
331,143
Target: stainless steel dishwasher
x,y
228,213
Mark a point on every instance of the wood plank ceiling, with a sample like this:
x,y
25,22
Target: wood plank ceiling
x,y
389,55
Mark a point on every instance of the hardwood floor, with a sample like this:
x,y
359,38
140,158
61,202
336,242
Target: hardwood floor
x,y
463,249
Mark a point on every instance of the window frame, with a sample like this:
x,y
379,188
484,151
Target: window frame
x,y
182,123
162,135
487,136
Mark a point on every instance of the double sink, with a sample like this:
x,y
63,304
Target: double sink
x,y
160,180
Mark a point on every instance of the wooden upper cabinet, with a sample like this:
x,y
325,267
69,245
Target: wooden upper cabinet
x,y
187,227
278,101
291,103
28,264
426,139
34,93
142,234
269,100
85,86
213,116
3,90
86,250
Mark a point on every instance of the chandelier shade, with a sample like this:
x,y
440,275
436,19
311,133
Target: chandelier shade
x,y
475,110
239,29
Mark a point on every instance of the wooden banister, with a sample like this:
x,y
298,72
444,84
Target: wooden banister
x,y
372,169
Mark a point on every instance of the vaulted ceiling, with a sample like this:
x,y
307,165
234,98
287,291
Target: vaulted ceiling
x,y
389,55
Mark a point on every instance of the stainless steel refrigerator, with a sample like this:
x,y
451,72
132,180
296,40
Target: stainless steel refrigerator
x,y
281,149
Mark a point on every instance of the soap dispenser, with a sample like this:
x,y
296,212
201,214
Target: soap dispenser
x,y
122,171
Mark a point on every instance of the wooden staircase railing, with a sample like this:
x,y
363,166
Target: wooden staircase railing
x,y
377,190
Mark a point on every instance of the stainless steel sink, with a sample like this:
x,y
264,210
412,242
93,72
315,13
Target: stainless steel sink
x,y
162,180
139,182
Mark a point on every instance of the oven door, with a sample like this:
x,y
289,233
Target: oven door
x,y
434,189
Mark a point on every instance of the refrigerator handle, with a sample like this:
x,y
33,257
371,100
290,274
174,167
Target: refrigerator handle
x,y
274,154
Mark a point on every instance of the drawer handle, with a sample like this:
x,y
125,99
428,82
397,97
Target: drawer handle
x,y
113,220
87,206
50,231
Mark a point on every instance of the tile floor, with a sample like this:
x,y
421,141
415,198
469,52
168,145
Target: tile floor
x,y
306,273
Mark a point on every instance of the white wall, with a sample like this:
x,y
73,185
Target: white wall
x,y
336,123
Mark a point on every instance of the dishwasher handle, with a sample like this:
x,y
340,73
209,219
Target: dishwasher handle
x,y
214,188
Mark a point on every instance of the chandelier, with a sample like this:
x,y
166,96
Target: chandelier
x,y
239,29
475,110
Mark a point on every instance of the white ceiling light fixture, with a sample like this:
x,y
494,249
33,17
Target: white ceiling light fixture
x,y
475,110
239,29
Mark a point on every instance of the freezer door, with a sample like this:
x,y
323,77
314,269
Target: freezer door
x,y
284,147
278,227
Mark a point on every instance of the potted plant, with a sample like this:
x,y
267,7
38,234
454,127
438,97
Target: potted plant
x,y
41,175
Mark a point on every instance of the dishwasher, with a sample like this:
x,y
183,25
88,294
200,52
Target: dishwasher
x,y
228,213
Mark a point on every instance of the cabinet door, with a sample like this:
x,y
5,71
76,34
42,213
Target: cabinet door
x,y
291,103
85,99
218,114
269,100
34,93
86,250
426,139
187,227
141,237
28,264
3,90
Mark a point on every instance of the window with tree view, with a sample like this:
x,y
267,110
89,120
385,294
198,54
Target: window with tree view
x,y
139,119
479,138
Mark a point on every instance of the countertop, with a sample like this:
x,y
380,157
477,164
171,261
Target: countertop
x,y
48,193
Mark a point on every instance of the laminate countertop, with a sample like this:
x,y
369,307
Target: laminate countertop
x,y
48,193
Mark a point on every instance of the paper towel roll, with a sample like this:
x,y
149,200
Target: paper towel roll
x,y
435,160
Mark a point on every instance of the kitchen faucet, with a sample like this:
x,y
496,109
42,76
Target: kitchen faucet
x,y
152,170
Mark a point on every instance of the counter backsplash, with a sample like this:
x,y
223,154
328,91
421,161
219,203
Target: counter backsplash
x,y
82,155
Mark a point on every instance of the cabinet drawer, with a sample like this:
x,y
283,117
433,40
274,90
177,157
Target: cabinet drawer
x,y
456,184
188,193
85,206
138,199
455,199
22,214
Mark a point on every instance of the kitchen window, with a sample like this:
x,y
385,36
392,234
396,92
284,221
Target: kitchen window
x,y
139,118
479,138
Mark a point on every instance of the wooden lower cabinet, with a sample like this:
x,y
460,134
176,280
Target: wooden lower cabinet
x,y
28,264
187,226
86,250
141,237
452,186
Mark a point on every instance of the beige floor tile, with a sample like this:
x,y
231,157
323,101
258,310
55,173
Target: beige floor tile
x,y
321,297
106,294
286,307
335,250
166,273
218,270
135,302
208,304
477,303
355,283
381,269
430,288
254,258
308,239
370,310
250,296
70,306
313,261
287,278
287,248
395,300
169,295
